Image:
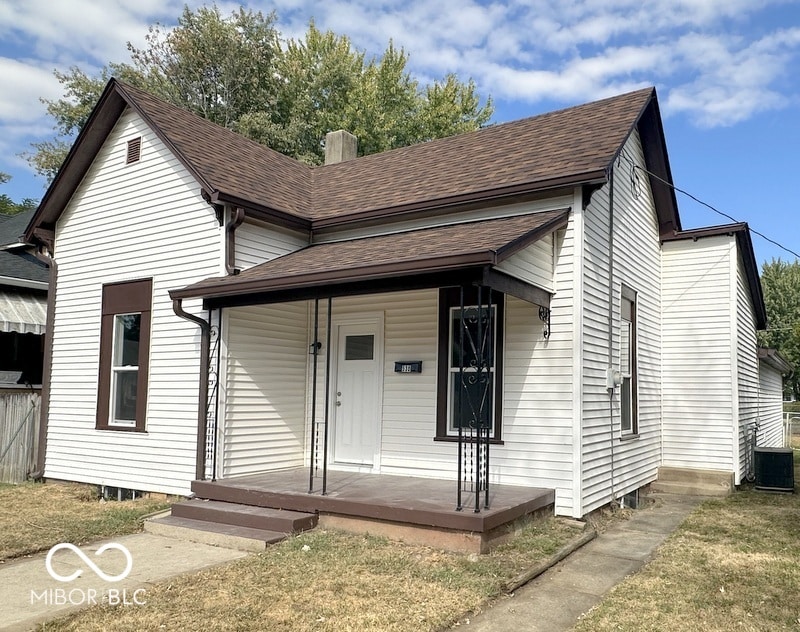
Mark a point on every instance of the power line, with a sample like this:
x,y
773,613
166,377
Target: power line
x,y
707,205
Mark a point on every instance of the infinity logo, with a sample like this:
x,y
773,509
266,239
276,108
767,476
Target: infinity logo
x,y
48,562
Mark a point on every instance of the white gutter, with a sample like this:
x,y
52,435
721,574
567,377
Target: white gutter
x,y
16,282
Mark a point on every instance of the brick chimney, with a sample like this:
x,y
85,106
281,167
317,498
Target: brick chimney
x,y
340,146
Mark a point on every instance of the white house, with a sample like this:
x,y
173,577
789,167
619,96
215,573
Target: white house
x,y
516,307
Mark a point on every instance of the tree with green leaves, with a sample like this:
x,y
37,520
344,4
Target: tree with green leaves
x,y
780,281
9,206
237,71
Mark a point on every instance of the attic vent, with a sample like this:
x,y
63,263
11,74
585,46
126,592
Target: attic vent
x,y
134,150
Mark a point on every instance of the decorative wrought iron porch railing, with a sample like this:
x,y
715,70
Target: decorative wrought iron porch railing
x,y
212,402
473,352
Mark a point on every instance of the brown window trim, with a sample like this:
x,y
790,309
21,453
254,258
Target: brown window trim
x,y
450,297
631,295
124,298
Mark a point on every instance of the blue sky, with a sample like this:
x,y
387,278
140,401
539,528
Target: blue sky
x,y
726,72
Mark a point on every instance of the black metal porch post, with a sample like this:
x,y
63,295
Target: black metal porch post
x,y
327,398
314,437
459,396
490,385
478,418
215,447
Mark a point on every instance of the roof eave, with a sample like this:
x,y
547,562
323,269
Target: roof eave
x,y
489,197
514,246
260,211
230,286
773,358
654,146
79,158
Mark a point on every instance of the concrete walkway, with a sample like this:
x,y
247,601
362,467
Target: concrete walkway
x,y
555,600
29,595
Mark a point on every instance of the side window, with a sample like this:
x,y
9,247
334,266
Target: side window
x,y
124,355
471,398
629,400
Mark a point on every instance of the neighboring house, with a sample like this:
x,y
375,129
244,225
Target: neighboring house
x,y
23,315
773,368
517,305
23,303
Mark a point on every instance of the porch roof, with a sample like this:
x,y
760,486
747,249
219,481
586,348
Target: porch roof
x,y
425,257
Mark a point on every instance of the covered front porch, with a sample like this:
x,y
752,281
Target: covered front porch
x,y
437,301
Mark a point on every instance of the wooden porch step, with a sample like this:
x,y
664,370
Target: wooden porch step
x,y
250,516
214,533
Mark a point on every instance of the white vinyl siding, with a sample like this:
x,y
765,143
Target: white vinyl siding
x,y
128,222
537,402
770,410
746,360
612,467
264,417
257,242
697,393
533,264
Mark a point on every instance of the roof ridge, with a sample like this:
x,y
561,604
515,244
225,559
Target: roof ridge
x,y
493,126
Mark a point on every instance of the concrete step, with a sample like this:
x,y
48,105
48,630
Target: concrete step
x,y
214,533
696,475
689,489
245,515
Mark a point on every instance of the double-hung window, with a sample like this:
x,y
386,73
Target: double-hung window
x,y
629,400
470,362
124,355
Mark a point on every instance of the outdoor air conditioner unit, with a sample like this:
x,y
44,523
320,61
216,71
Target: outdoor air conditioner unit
x,y
774,469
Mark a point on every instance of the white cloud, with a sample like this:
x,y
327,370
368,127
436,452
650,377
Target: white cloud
x,y
24,82
701,53
735,78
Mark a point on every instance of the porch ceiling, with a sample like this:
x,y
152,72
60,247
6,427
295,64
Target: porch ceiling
x,y
427,257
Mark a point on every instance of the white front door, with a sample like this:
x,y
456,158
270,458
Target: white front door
x,y
356,397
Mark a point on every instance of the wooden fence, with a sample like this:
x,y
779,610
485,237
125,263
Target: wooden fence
x,y
19,430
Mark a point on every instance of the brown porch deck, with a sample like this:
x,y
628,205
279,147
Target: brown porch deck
x,y
422,502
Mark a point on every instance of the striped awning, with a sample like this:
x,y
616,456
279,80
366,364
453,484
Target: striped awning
x,y
23,312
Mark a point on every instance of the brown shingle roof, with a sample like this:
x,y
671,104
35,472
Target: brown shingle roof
x,y
562,148
486,242
569,145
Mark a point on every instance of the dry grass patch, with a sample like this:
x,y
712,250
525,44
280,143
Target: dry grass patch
x,y
328,580
734,564
37,516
